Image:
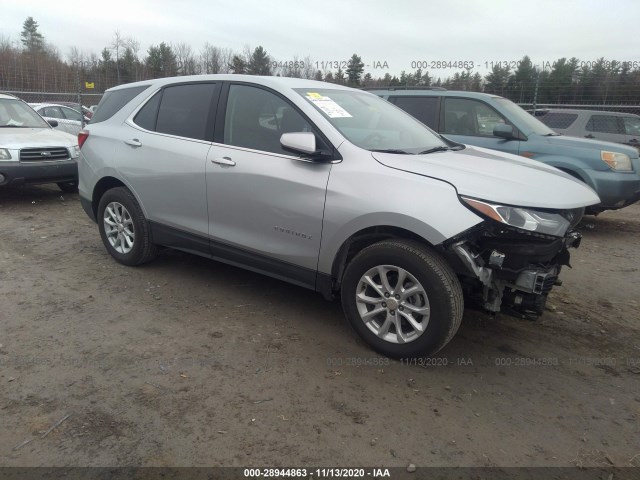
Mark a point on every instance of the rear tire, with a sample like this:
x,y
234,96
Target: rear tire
x,y
124,230
402,298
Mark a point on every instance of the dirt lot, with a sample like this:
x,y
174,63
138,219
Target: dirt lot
x,y
187,361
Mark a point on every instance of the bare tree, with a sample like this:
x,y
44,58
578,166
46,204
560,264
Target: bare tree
x,y
215,59
117,44
185,58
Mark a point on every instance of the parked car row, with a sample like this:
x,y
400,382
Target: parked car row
x,y
332,189
490,121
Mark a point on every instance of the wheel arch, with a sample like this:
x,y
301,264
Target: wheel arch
x,y
362,239
104,184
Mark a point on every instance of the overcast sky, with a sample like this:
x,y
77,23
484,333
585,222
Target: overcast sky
x,y
395,32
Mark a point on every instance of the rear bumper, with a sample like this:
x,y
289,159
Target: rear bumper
x,y
17,173
87,206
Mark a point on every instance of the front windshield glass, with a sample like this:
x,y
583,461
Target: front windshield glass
x,y
371,122
527,123
17,114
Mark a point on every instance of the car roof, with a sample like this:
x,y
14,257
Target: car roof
x,y
578,111
50,105
267,81
8,96
433,93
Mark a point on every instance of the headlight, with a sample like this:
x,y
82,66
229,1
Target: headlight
x,y
549,223
617,161
74,152
4,154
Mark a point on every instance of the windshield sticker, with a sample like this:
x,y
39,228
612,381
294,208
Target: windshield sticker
x,y
313,95
328,106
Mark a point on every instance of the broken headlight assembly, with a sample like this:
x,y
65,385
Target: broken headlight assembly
x,y
555,223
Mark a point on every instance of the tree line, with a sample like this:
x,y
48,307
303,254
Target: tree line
x,y
32,64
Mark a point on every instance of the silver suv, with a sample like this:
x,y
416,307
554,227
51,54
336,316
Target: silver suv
x,y
331,189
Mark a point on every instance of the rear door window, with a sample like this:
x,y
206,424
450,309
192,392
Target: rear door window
x,y
424,109
181,110
185,111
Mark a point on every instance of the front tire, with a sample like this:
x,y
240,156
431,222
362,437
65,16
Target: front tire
x,y
124,230
403,299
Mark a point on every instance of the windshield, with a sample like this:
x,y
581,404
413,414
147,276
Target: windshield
x,y
372,123
16,113
526,122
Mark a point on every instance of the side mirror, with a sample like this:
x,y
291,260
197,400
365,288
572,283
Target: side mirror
x,y
503,131
53,123
299,142
304,143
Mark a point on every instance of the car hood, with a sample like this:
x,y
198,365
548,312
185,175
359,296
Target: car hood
x,y
577,142
17,138
497,177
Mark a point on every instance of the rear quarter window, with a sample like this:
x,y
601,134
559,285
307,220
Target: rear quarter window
x,y
113,101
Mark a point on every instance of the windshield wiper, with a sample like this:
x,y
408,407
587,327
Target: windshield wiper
x,y
437,149
552,135
391,150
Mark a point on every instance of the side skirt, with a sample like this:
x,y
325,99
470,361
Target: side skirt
x,y
231,255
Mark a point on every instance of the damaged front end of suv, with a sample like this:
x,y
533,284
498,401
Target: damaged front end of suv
x,y
511,260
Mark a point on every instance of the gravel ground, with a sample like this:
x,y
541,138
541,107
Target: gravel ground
x,y
189,362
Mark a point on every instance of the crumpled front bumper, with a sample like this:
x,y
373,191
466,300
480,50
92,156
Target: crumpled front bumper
x,y
512,273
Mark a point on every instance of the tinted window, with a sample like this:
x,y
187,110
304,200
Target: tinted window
x,y
256,119
424,109
113,101
146,117
184,110
470,117
605,124
559,119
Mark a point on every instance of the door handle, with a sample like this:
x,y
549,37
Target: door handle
x,y
134,142
589,136
224,161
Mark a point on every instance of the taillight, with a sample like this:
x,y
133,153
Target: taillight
x,y
82,137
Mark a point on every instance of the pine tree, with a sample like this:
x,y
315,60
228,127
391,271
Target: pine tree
x,y
238,65
32,39
355,68
259,63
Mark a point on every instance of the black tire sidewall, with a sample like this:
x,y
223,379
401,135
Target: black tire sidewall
x,y
122,196
440,301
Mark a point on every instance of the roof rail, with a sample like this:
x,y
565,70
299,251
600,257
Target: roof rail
x,y
405,87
